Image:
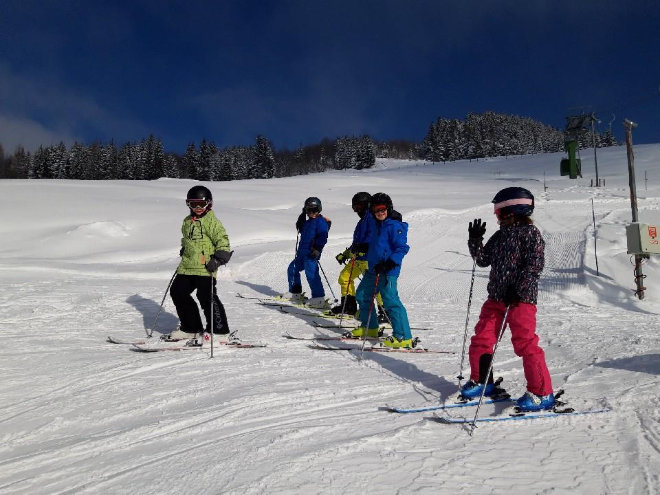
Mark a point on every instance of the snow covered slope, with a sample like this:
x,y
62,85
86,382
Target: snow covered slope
x,y
83,260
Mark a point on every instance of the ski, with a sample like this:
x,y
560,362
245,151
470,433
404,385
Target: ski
x,y
142,348
519,416
451,405
188,346
331,316
355,325
349,318
414,350
329,337
322,325
113,340
273,301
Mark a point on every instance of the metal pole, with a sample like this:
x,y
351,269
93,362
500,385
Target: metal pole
x,y
153,327
593,215
639,276
327,281
371,308
348,284
593,140
490,370
467,319
212,304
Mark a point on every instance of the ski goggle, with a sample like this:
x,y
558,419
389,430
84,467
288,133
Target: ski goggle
x,y
379,209
197,203
312,209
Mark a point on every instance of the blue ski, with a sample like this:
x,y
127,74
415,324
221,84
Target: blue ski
x,y
519,416
452,405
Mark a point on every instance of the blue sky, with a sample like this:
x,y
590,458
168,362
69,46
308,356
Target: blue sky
x,y
298,71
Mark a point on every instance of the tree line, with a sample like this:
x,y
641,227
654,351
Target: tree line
x,y
477,136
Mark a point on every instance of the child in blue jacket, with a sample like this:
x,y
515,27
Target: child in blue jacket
x,y
387,247
313,232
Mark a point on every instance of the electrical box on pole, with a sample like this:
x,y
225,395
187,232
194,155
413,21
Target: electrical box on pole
x,y
639,258
643,238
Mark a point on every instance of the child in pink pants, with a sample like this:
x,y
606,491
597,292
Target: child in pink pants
x,y
515,254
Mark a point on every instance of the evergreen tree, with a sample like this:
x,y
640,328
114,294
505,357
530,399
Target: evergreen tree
x,y
264,160
203,166
41,165
189,163
171,166
153,158
109,162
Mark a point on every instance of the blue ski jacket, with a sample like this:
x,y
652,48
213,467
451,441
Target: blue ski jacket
x,y
362,232
388,240
313,235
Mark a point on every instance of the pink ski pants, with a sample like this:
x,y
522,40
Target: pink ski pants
x,y
522,322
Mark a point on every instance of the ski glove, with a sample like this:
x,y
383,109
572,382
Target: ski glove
x,y
511,296
315,254
384,266
218,259
223,256
477,229
344,257
360,248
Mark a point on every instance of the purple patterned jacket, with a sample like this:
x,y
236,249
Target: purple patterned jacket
x,y
515,254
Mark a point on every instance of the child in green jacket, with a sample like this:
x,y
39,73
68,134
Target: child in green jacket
x,y
204,248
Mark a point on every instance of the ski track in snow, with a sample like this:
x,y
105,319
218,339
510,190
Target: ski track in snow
x,y
78,415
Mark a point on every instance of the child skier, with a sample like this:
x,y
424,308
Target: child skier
x,y
354,257
204,248
387,247
313,229
515,254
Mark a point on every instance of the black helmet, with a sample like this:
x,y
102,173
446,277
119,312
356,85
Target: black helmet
x,y
514,201
200,192
313,203
382,199
199,197
362,198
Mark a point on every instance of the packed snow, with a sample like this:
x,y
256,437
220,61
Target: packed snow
x,y
80,261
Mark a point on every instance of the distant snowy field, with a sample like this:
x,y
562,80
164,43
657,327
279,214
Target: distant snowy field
x,y
83,260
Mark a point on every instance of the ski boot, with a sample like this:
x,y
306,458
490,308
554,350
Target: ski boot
x,y
532,402
348,304
317,303
294,297
371,332
472,390
179,334
396,343
383,319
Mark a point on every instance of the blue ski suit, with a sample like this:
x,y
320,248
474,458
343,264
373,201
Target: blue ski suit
x,y
388,241
313,237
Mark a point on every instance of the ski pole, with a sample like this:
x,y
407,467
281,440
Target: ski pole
x,y
348,284
211,325
467,319
153,327
473,425
371,308
326,280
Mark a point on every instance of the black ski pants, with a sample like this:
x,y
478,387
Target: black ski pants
x,y
187,309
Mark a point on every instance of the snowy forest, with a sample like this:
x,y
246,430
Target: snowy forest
x,y
477,136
